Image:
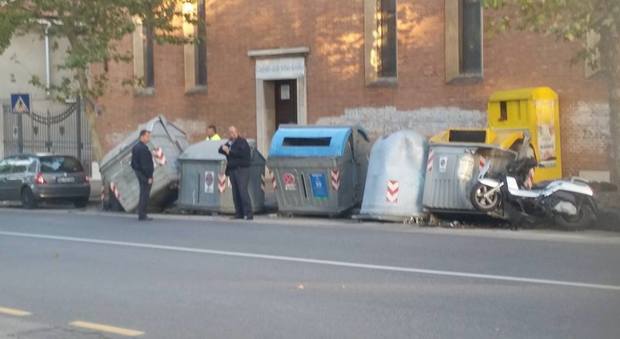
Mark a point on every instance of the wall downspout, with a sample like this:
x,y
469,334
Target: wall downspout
x,y
48,80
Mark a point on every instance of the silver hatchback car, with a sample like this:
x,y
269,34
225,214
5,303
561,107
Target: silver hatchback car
x,y
32,178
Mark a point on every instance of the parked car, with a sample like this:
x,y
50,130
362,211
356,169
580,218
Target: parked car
x,y
32,178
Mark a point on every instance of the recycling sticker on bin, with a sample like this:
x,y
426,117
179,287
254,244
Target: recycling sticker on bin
x,y
209,182
289,181
443,164
319,185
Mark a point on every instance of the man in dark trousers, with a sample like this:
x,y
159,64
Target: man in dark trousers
x,y
142,164
238,156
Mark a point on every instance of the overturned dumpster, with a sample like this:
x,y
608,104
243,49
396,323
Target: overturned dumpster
x,y
395,179
204,185
515,117
452,170
121,188
319,170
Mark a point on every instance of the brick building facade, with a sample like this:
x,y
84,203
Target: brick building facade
x,y
315,61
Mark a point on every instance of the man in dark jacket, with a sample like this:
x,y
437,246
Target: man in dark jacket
x,y
142,164
238,156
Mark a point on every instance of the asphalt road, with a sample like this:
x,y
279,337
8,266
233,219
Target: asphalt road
x,y
63,273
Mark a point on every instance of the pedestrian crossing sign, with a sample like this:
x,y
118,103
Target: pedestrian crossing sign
x,y
20,103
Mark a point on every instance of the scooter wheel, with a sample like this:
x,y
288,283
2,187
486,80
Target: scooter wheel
x,y
584,218
482,201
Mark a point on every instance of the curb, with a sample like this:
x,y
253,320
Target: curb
x,y
609,220
590,236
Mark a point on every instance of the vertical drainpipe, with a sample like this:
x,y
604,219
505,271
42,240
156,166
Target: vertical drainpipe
x,y
48,80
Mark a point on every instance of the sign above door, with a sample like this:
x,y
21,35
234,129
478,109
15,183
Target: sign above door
x,y
280,68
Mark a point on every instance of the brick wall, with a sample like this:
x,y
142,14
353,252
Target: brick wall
x,y
333,30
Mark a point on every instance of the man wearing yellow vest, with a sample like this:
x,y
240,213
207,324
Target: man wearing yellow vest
x,y
212,134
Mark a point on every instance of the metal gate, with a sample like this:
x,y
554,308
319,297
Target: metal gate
x,y
65,133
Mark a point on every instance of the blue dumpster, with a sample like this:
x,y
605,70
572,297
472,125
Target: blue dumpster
x,y
319,170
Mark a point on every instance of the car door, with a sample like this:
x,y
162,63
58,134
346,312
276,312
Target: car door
x,y
4,172
15,179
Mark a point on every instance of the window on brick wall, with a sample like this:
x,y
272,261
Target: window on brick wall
x,y
381,40
386,38
201,45
463,29
471,37
195,54
143,56
149,67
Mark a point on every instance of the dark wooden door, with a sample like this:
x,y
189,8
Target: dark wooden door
x,y
286,102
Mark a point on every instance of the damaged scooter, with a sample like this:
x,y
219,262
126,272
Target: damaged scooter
x,y
510,195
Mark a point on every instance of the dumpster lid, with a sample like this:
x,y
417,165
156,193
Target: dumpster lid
x,y
205,150
472,146
209,150
310,141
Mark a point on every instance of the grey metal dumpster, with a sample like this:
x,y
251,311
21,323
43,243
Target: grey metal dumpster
x,y
452,170
395,180
119,179
319,170
205,187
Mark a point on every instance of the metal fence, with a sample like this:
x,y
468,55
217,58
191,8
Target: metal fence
x,y
65,133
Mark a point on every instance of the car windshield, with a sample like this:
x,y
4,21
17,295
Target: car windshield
x,y
60,165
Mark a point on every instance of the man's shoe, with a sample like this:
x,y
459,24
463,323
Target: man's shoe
x,y
249,218
145,219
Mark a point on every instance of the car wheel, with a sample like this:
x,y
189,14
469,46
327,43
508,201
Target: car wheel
x,y
80,203
27,198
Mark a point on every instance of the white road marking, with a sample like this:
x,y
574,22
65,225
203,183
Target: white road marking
x,y
318,261
14,312
125,332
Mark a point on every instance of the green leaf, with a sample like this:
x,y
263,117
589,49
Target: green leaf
x,y
92,29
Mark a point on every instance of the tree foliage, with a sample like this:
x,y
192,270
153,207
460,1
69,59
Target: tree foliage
x,y
571,20
593,23
92,29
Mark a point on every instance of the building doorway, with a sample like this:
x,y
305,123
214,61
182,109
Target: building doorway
x,y
280,93
285,102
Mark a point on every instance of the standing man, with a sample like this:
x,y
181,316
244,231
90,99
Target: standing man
x,y
238,156
212,134
142,164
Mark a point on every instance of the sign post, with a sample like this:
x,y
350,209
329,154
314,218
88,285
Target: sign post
x,y
20,103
